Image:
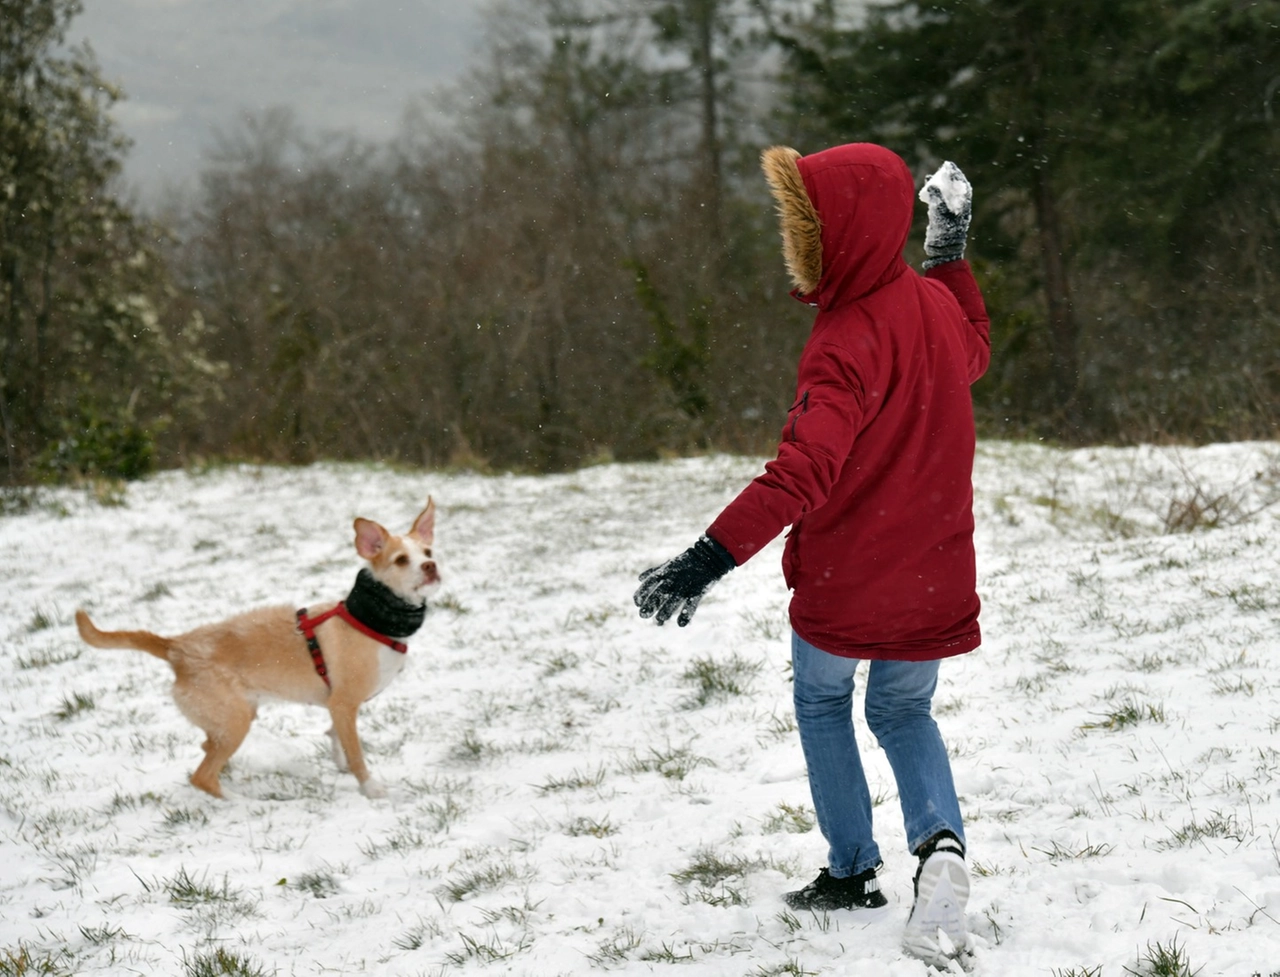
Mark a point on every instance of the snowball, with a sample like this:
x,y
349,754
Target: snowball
x,y
951,183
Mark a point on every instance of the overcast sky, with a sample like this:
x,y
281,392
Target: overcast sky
x,y
189,67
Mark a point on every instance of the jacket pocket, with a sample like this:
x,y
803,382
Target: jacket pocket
x,y
794,413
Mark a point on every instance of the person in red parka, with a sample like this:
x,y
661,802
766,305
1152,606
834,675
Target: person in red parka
x,y
874,478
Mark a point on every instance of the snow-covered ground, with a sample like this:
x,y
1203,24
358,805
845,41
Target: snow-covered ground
x,y
578,791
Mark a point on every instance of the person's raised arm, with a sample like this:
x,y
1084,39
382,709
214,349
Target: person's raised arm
x,y
949,197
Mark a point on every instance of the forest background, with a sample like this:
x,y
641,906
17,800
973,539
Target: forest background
x,y
573,257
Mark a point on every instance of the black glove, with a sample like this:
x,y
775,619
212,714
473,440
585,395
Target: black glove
x,y
950,200
682,581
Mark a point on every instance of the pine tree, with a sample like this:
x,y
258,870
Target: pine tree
x,y
84,354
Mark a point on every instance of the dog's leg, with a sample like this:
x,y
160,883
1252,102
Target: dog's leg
x,y
339,757
344,728
225,717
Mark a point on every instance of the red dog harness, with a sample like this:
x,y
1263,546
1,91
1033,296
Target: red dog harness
x,y
307,626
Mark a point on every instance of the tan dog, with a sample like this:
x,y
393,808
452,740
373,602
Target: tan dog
x,y
222,671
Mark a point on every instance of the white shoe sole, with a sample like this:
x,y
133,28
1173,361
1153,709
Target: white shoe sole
x,y
936,932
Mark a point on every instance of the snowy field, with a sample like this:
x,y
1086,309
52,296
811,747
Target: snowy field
x,y
577,791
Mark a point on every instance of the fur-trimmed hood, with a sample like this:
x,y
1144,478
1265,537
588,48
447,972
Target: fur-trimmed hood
x,y
845,214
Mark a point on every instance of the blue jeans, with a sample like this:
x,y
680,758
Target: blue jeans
x,y
898,702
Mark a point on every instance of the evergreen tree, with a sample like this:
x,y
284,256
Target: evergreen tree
x,y
1124,158
1030,95
84,357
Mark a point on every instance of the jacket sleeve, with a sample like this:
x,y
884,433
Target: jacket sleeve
x,y
816,441
958,278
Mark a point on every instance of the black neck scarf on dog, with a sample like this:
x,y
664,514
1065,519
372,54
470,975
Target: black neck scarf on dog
x,y
378,607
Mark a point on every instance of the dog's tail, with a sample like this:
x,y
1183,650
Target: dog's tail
x,y
152,644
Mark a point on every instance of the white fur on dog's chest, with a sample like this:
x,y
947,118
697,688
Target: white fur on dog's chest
x,y
390,664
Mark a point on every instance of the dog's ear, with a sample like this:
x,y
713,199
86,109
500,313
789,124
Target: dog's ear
x,y
424,527
370,538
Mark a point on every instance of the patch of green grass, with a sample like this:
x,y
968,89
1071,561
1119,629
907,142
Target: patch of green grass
x,y
594,827
182,889
177,816
443,814
789,919
1032,685
722,895
73,706
617,949
1057,852
1216,825
985,870
560,662
1147,663
1163,961
1240,686
416,936
402,839
575,780
715,681
709,868
43,659
520,915
22,961
222,962
320,883
42,619
793,819
77,864
480,880
1230,663
674,763
126,802
155,592
102,935
788,968
448,602
667,953
485,951
778,728
471,748
188,892
1078,972
1128,713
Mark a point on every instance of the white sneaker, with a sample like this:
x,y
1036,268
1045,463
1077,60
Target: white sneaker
x,y
936,932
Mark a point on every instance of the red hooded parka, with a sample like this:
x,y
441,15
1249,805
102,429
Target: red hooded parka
x,y
874,471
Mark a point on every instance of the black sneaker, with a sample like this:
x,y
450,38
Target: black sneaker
x,y
936,931
826,892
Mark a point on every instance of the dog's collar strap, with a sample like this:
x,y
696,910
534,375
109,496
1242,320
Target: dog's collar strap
x,y
382,610
345,613
307,626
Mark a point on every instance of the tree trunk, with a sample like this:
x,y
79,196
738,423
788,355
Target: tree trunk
x,y
1064,334
705,15
40,320
10,347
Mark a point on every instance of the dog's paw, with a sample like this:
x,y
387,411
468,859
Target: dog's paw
x,y
373,789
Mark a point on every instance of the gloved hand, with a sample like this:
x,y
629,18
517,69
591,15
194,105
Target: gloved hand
x,y
950,200
681,583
